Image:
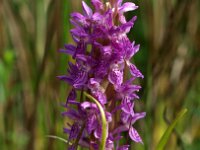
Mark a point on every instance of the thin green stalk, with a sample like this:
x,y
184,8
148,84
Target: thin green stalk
x,y
58,138
166,135
104,122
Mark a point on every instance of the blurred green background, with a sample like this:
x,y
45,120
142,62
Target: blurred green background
x,y
32,31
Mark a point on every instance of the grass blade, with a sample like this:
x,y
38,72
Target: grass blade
x,y
166,135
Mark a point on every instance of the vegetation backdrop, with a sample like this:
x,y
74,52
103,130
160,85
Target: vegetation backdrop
x,y
32,32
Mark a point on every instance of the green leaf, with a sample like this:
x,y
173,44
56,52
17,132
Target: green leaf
x,y
166,135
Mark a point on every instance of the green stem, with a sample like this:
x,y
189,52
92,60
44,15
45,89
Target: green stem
x,y
104,122
58,138
166,135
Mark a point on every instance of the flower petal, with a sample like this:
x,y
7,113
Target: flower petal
x,y
71,97
97,132
137,116
92,123
122,18
127,106
69,49
125,27
97,4
73,114
108,117
87,10
86,105
119,2
78,18
131,50
134,71
134,135
66,79
128,7
120,129
97,91
74,131
115,77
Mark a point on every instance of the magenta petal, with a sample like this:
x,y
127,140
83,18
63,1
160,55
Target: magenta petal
x,y
132,50
87,10
78,32
97,91
134,71
100,96
97,132
128,107
125,27
71,113
128,7
69,49
108,117
86,105
122,18
92,123
120,129
119,2
137,116
116,77
77,18
106,51
134,135
97,4
97,16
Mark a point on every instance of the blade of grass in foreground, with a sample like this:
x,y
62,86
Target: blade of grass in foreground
x,y
169,130
104,122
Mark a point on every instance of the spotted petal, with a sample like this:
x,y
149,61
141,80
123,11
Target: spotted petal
x,y
116,77
134,71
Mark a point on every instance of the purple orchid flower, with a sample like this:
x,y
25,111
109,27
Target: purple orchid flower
x,y
101,53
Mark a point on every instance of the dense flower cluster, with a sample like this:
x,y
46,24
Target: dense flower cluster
x,y
102,53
